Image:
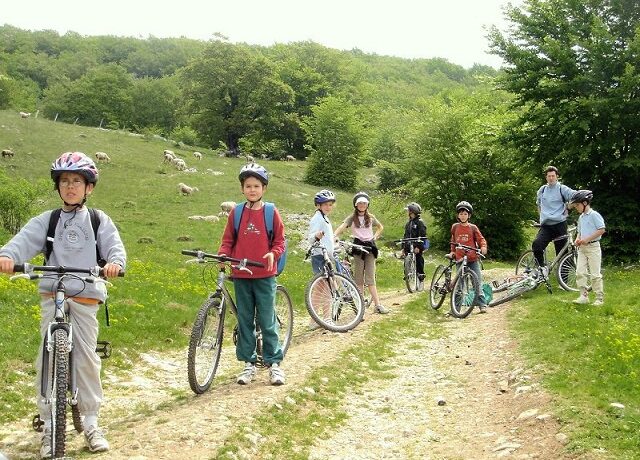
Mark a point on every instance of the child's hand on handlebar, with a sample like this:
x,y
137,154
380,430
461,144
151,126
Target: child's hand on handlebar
x,y
6,265
111,270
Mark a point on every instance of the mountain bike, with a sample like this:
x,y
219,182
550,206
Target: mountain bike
x,y
563,264
58,386
344,264
333,299
464,287
514,286
411,279
207,333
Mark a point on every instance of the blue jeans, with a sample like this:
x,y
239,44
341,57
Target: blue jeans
x,y
317,264
477,269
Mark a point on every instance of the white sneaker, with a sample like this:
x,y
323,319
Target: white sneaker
x,y
544,272
95,439
276,375
45,447
381,310
247,375
598,302
582,300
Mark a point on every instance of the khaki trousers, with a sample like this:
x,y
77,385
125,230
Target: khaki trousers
x,y
588,269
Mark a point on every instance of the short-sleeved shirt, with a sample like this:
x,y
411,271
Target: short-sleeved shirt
x,y
358,228
589,222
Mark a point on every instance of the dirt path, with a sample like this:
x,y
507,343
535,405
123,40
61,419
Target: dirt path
x,y
467,396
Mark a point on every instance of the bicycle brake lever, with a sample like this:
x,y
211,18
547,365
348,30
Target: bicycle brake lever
x,y
25,276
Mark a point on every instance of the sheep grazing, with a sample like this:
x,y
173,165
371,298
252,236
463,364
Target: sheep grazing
x,y
263,156
102,157
250,159
289,158
168,157
179,164
186,190
197,155
25,114
227,206
7,153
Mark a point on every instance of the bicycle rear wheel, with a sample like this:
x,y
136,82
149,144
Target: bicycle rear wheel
x,y
567,272
205,344
284,316
465,294
438,290
410,274
58,392
334,302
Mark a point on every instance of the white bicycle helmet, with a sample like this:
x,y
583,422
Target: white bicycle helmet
x,y
76,162
323,196
254,170
464,205
360,197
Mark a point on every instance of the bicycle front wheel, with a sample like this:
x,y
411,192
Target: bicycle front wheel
x,y
527,263
438,290
58,389
410,274
465,294
334,302
567,272
205,344
511,290
284,317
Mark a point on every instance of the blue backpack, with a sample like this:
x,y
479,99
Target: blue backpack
x,y
268,209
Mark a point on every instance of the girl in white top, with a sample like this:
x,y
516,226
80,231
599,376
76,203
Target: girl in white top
x,y
362,225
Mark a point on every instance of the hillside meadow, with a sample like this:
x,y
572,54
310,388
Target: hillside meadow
x,y
589,357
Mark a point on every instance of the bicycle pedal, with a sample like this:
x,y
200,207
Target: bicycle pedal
x,y
37,423
103,349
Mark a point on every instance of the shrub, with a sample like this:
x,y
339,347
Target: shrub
x,y
17,201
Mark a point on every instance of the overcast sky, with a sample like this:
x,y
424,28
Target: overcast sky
x,y
453,29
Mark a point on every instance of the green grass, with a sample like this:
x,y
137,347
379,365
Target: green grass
x,y
153,307
590,358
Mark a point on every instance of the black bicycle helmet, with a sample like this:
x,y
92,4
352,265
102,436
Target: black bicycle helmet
x,y
414,208
323,196
464,205
582,195
360,195
254,170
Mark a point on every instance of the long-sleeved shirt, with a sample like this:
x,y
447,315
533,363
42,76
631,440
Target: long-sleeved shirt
x,y
320,223
469,235
252,241
74,245
552,199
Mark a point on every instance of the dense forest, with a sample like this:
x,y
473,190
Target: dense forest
x,y
434,131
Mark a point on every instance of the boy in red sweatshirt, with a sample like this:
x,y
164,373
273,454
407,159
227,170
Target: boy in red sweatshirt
x,y
255,292
464,232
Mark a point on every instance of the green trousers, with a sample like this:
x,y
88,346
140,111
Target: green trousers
x,y
255,299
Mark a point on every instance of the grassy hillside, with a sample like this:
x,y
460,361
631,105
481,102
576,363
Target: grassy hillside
x,y
154,306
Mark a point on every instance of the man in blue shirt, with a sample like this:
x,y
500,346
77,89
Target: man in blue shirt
x,y
552,199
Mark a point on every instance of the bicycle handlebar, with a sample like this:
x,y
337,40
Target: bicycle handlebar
x,y
466,248
408,240
201,256
28,269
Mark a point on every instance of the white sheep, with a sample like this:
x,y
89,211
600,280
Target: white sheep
x,y
102,156
290,158
179,163
227,206
168,156
186,190
7,153
211,218
263,156
197,155
250,159
25,114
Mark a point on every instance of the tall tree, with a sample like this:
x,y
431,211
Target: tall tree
x,y
574,67
334,136
232,92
